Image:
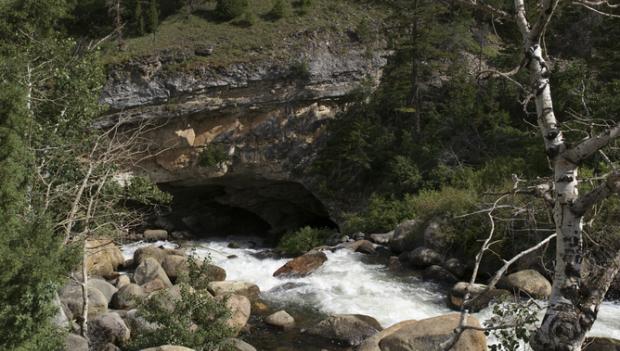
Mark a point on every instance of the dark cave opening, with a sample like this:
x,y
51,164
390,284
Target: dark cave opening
x,y
246,206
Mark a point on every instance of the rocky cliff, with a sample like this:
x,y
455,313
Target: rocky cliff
x,y
248,130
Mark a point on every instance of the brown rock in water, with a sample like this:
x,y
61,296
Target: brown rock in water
x,y
302,266
428,334
351,329
103,257
482,300
528,281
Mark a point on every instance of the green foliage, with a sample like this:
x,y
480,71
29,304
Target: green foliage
x,y
213,155
303,240
145,192
230,9
304,6
153,16
522,316
280,9
299,70
248,19
195,320
139,15
383,214
31,255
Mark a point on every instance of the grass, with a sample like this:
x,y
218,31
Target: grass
x,y
276,40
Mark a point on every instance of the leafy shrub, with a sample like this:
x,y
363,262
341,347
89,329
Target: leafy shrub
x,y
248,19
213,155
144,191
304,6
280,9
300,70
230,9
385,213
196,320
303,240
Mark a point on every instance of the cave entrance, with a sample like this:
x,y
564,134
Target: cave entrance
x,y
244,206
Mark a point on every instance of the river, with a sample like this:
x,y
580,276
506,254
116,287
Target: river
x,y
347,283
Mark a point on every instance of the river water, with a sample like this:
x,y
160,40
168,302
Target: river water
x,y
347,283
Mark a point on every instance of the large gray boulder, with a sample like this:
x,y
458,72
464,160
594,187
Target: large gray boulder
x,y
168,348
71,296
382,238
601,344
155,234
137,324
107,328
175,265
351,329
240,345
480,298
103,257
403,238
454,266
529,282
428,334
150,270
372,343
129,296
436,237
75,342
235,287
106,288
280,319
439,274
240,308
421,257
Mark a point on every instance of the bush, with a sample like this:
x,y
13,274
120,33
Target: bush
x,y
304,6
384,213
280,9
197,320
248,19
213,155
230,9
300,70
303,240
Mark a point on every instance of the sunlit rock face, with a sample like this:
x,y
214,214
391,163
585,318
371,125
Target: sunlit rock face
x,y
248,131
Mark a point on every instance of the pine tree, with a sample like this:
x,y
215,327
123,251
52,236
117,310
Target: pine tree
x,y
153,16
139,15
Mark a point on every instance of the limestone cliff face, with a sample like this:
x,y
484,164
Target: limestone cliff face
x,y
258,121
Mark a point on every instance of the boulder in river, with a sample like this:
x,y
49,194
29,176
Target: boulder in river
x,y
428,334
302,266
481,299
149,270
238,287
103,257
128,296
176,265
363,246
168,348
155,234
75,342
454,266
240,308
106,288
351,329
240,345
528,281
439,274
280,319
372,343
421,257
402,240
72,297
382,238
107,328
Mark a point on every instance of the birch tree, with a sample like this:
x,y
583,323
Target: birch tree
x,y
575,300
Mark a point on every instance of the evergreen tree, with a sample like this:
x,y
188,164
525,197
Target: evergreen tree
x,y
280,9
229,9
153,16
139,16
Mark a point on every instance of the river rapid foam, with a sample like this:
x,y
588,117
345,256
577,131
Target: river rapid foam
x,y
347,284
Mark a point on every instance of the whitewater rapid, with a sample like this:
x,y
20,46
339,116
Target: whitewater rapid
x,y
346,284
